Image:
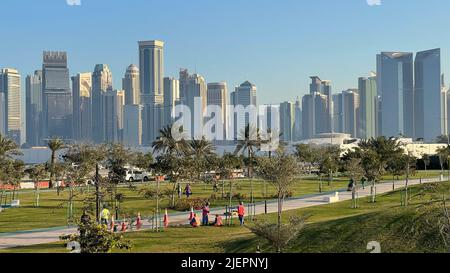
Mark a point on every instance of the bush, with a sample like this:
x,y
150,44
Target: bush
x,y
187,204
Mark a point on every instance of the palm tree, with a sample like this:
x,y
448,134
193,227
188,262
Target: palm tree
x,y
201,148
54,145
166,143
7,147
249,140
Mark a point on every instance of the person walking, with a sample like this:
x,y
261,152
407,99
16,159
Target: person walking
x,y
205,213
241,213
104,215
188,190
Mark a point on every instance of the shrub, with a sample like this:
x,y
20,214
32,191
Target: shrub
x,y
187,204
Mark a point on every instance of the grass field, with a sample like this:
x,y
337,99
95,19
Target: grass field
x,y
333,228
28,217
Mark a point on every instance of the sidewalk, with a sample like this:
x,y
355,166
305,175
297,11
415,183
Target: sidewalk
x,y
43,236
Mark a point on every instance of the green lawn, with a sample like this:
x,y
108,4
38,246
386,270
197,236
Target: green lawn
x,y
27,217
332,228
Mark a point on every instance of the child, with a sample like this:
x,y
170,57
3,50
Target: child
x,y
218,221
241,213
188,190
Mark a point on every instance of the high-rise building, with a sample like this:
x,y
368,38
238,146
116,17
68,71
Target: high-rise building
x,y
218,96
395,86
131,85
338,113
315,115
33,108
113,102
367,108
171,97
287,121
132,125
10,87
82,107
193,92
57,99
429,113
102,83
297,135
151,66
323,87
350,107
2,114
244,96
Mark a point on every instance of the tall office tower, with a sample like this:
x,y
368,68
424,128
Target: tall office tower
x,y
171,97
132,125
82,107
315,117
287,121
131,85
338,113
429,113
2,114
193,92
395,86
323,87
57,99
297,135
367,108
350,99
102,83
113,102
218,95
11,89
151,66
33,108
244,95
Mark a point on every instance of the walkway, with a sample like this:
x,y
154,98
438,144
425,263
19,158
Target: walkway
x,y
43,236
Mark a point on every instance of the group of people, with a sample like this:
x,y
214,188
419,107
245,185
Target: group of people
x,y
218,221
108,220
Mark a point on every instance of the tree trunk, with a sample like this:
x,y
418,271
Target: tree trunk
x,y
52,172
157,205
97,193
280,211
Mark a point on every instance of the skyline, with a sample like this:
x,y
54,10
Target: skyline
x,y
194,45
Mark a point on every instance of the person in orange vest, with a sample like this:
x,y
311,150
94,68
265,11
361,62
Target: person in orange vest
x,y
218,221
195,222
241,213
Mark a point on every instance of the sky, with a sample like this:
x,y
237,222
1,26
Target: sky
x,y
275,44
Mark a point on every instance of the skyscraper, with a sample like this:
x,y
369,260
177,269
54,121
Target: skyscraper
x,y
193,92
10,87
33,108
367,109
132,125
395,86
287,121
113,102
297,135
218,95
2,114
315,115
323,120
350,107
171,97
101,84
244,96
429,113
57,104
151,66
131,85
338,113
82,106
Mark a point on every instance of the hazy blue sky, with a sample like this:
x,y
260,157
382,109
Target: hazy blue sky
x,y
276,44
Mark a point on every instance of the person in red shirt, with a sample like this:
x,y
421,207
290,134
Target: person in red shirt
x,y
241,213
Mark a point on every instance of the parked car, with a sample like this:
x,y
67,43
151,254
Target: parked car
x,y
137,175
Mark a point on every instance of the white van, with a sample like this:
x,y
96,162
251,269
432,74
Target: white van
x,y
136,175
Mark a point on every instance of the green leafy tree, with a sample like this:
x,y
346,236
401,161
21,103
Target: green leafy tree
x,y
37,174
281,171
54,145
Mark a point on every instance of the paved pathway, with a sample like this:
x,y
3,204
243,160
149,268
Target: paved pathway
x,y
34,237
